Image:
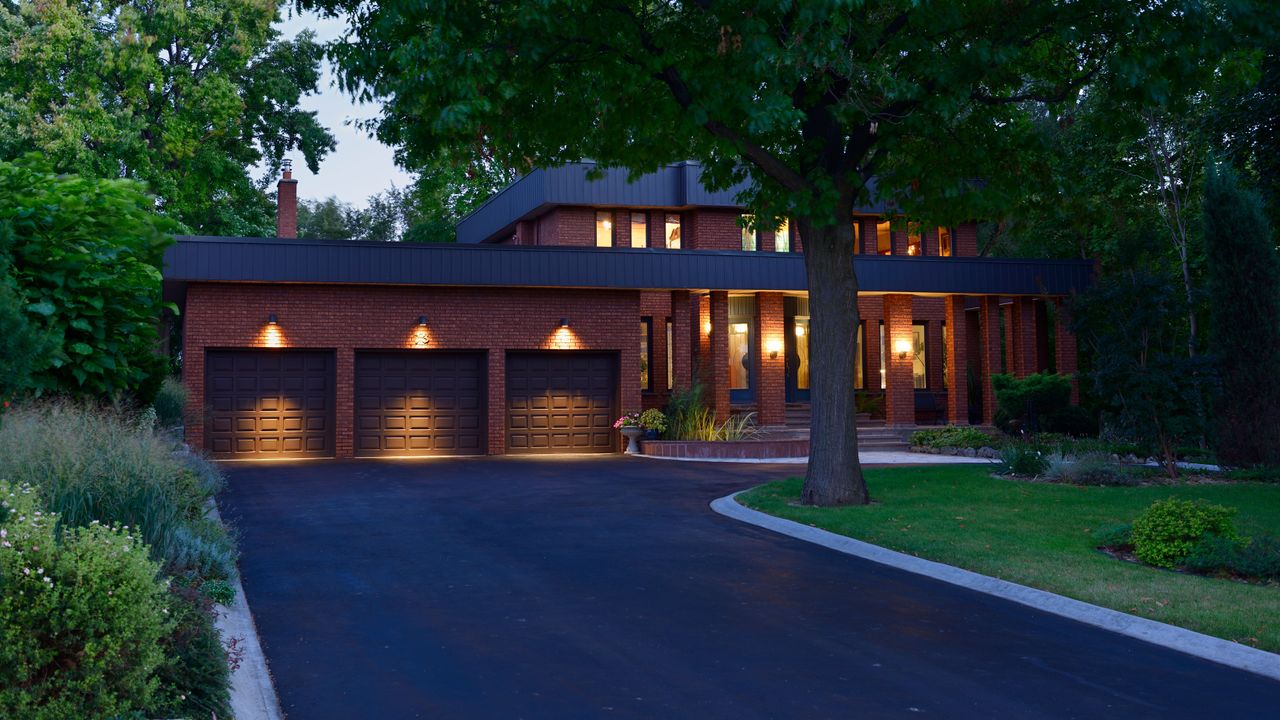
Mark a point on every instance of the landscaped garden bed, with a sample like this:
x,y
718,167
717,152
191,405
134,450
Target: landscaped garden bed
x,y
1042,534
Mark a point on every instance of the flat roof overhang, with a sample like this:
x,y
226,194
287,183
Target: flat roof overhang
x,y
274,260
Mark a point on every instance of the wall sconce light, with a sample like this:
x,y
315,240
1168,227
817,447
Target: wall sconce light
x,y
902,346
271,319
773,347
564,322
739,328
799,331
706,328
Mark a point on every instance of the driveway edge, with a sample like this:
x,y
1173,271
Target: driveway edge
x,y
1183,640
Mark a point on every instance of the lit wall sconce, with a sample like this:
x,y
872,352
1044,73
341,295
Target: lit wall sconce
x,y
773,347
706,328
800,331
272,320
564,322
902,346
739,328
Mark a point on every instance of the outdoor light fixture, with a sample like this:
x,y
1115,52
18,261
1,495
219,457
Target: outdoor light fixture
x,y
799,331
739,328
773,347
564,322
706,328
271,319
422,320
902,346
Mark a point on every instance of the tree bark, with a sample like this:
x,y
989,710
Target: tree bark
x,y
834,476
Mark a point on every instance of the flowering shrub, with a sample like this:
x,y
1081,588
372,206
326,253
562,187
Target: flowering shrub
x,y
82,616
628,420
653,419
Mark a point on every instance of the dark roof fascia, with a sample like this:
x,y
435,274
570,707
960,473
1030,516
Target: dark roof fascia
x,y
271,260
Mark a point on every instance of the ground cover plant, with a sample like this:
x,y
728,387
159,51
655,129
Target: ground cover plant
x,y
954,436
1043,535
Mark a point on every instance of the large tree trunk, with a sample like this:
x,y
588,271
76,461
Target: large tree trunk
x,y
834,476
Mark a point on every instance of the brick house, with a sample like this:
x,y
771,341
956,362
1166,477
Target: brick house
x,y
570,300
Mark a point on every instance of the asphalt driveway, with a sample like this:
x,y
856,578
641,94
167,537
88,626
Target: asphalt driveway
x,y
566,588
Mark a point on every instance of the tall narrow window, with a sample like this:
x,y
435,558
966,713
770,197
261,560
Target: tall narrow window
x,y
671,357
739,355
604,228
945,382
859,382
944,242
673,231
884,240
882,355
857,236
802,351
919,366
914,244
748,233
646,353
639,230
782,237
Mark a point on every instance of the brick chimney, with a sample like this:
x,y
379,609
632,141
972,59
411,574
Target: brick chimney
x,y
287,204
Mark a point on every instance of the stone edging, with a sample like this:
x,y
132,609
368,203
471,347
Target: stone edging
x,y
1200,645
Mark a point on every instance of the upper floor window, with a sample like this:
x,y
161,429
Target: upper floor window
x,y
782,237
944,242
639,230
884,240
915,245
604,228
748,233
673,231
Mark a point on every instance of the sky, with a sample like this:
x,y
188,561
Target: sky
x,y
360,166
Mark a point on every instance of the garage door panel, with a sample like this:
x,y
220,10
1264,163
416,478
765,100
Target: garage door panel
x,y
561,401
269,403
419,403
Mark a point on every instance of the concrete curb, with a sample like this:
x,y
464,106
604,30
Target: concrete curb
x,y
868,457
253,694
1200,645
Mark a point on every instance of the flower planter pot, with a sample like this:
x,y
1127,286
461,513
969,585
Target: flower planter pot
x,y
632,434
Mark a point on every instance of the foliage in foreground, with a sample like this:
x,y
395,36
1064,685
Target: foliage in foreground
x,y
1028,401
952,436
1166,533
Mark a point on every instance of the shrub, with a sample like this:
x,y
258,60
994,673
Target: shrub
x,y
1261,473
1071,420
170,403
82,617
1091,469
952,436
653,419
738,427
1029,399
1114,537
1259,558
1023,459
1213,555
219,591
684,410
1165,533
195,678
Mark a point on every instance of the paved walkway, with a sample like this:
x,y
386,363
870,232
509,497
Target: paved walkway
x,y
606,587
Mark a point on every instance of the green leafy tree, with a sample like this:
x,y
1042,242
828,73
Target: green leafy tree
x,y
809,101
24,340
184,95
86,258
451,184
1244,292
328,219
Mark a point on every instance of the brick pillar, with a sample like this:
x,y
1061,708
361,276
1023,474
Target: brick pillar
x,y
193,381
1042,336
1020,333
702,329
990,343
287,204
899,393
771,390
344,399
957,361
682,334
718,373
1065,348
497,402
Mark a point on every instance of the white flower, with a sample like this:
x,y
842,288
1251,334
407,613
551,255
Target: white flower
x,y
39,571
26,571
4,533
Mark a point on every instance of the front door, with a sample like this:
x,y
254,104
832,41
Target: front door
x,y
796,314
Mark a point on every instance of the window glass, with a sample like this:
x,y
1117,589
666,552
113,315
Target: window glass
x,y
914,244
639,230
919,376
881,354
782,237
802,352
945,381
859,383
646,352
857,236
673,231
671,358
748,234
884,240
944,242
739,355
604,228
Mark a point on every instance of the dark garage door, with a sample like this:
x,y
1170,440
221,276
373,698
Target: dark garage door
x,y
269,403
561,402
419,403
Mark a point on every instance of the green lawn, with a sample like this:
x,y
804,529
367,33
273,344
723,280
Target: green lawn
x,y
1039,535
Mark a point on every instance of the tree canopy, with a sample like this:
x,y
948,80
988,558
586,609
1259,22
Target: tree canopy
x,y
184,95
809,101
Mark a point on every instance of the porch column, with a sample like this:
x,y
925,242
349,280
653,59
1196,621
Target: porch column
x,y
701,315
990,322
1065,347
344,371
681,341
497,415
1020,335
957,360
718,373
899,392
771,393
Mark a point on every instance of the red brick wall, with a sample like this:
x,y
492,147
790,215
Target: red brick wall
x,y
771,393
1065,348
719,356
287,207
1020,333
957,360
683,333
657,305
990,329
900,399
964,240
345,318
871,312
712,230
568,226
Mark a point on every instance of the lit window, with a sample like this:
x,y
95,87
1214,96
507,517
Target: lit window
x,y
782,238
919,368
881,354
671,358
859,383
673,231
914,244
884,240
639,230
857,236
646,352
944,242
945,380
748,234
739,356
604,228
